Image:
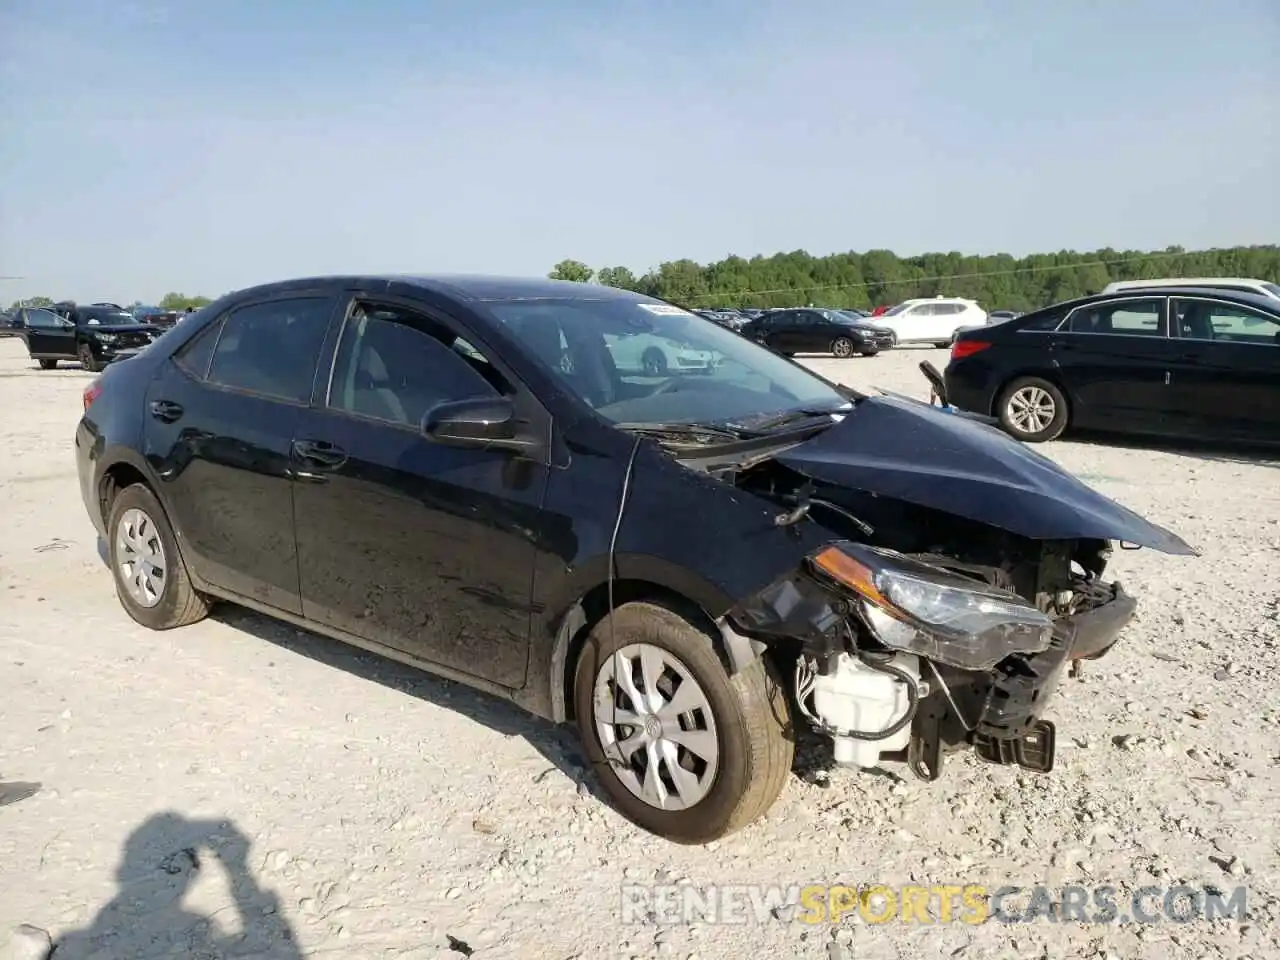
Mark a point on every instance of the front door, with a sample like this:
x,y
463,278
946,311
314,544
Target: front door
x,y
50,336
1227,379
1116,361
425,548
220,417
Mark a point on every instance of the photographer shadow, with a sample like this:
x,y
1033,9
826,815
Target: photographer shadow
x,y
162,860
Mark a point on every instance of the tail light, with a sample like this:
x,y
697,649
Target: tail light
x,y
967,348
91,394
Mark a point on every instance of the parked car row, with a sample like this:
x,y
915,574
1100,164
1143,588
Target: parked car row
x,y
92,335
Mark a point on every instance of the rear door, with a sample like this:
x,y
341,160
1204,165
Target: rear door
x,y
777,330
1227,379
1116,360
221,416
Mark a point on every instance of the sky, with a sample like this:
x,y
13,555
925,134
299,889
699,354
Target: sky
x,y
202,146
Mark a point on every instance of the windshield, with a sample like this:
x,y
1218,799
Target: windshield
x,y
900,308
643,361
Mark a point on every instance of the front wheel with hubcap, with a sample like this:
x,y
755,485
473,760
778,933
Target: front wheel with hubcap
x,y
683,749
151,577
87,359
1033,410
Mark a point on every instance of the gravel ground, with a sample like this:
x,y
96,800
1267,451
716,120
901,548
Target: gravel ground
x,y
241,788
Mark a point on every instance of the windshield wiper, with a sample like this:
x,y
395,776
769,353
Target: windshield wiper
x,y
794,416
692,432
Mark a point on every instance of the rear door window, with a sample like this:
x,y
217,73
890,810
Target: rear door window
x,y
271,348
1131,318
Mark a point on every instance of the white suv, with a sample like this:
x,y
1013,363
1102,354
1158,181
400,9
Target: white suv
x,y
935,321
1223,283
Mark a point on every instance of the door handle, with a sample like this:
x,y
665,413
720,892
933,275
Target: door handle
x,y
1191,357
320,453
166,410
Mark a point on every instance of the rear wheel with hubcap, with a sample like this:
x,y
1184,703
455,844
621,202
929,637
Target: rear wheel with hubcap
x,y
1033,410
683,749
150,574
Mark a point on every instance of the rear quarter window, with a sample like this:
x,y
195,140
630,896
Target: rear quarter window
x,y
195,355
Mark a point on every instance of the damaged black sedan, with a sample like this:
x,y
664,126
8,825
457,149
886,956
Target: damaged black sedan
x,y
686,561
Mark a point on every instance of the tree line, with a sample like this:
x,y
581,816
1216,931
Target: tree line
x,y
866,280
177,302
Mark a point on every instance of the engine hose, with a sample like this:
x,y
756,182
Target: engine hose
x,y
913,703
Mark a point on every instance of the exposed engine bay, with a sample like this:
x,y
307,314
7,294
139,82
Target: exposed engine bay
x,y
918,632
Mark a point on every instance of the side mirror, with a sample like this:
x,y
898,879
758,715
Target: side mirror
x,y
477,423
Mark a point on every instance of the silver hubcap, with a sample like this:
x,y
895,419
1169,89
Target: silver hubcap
x,y
140,558
842,348
656,727
1031,409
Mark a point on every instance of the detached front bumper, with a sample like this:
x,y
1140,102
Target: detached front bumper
x,y
1022,685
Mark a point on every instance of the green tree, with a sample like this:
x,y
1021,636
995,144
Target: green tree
x,y
180,301
617,277
32,302
574,270
998,281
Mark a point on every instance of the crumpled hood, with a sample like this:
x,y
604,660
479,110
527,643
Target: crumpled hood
x,y
919,454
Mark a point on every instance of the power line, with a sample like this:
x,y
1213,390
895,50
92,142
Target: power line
x,y
955,276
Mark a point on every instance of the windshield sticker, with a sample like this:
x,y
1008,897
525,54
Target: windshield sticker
x,y
664,310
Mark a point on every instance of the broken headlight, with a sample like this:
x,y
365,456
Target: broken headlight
x,y
919,608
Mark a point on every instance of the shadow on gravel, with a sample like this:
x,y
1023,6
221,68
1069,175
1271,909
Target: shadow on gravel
x,y
558,744
1249,454
162,860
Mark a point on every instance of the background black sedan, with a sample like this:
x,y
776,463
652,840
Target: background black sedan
x,y
813,330
1185,362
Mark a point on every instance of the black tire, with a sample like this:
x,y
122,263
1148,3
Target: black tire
x,y
48,364
87,360
752,717
1061,414
180,603
869,351
842,347
944,344
654,362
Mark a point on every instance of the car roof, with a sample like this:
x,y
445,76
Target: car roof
x,y
1243,297
1186,282
473,287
